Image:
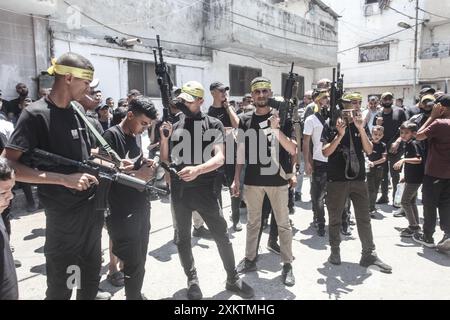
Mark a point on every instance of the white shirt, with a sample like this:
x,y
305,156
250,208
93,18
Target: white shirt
x,y
314,128
371,117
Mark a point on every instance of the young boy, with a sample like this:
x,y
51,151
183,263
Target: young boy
x,y
376,160
414,171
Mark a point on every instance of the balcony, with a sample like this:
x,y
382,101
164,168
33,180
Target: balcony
x,y
265,31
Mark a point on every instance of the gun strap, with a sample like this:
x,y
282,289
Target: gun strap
x,y
115,157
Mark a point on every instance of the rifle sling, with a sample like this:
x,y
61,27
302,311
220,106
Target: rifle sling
x,y
115,157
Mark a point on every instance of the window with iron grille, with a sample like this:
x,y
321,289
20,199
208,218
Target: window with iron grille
x,y
240,79
141,76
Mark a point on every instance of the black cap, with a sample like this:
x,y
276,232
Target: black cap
x,y
444,100
427,90
218,85
105,106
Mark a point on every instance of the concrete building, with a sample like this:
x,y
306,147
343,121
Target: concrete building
x,y
377,54
434,51
225,40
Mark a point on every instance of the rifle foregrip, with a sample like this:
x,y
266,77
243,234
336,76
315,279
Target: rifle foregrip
x,y
130,181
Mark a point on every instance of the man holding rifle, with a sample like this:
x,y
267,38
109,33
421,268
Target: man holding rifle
x,y
73,225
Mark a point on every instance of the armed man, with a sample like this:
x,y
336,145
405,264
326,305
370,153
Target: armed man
x,y
345,146
73,225
261,178
196,147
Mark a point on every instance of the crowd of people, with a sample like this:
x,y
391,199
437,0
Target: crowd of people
x,y
350,159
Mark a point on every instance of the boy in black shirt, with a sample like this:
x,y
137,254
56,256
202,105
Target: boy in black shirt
x,y
376,160
414,171
129,221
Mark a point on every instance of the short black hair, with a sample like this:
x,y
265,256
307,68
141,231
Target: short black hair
x,y
143,105
378,128
72,59
109,98
408,125
118,115
6,172
121,102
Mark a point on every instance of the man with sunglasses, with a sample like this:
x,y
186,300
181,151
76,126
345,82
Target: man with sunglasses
x,y
347,179
390,118
195,146
265,176
222,110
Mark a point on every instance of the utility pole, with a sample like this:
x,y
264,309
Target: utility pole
x,y
416,33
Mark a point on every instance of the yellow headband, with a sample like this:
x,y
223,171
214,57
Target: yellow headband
x,y
80,73
261,85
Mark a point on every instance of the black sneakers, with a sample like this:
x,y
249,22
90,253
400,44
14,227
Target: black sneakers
x,y
273,246
424,239
202,232
193,291
240,288
246,266
373,260
382,200
335,256
409,232
287,275
345,230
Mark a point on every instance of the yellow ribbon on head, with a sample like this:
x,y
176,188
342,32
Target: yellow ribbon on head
x,y
80,73
261,85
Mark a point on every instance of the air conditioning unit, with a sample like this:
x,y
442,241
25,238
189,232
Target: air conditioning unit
x,y
371,9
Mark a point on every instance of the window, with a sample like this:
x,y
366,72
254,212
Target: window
x,y
141,76
240,79
374,53
301,85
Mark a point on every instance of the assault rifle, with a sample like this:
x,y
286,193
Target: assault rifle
x,y
164,82
105,174
336,92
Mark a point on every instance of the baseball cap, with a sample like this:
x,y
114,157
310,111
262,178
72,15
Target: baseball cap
x,y
426,97
387,94
218,85
191,90
427,90
444,100
350,96
373,98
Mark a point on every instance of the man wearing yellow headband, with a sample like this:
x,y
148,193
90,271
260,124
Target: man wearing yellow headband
x,y
196,160
345,146
73,226
264,122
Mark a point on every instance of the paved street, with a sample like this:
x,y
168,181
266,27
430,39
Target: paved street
x,y
418,273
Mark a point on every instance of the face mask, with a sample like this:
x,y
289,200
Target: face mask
x,y
387,105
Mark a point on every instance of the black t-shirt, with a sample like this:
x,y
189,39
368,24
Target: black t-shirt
x,y
13,107
336,161
60,131
391,124
123,199
378,150
190,146
413,172
254,173
221,114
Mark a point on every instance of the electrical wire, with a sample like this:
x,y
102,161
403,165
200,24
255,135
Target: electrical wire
x,y
433,14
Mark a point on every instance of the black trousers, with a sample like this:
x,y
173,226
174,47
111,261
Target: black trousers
x,y
436,195
265,213
395,175
226,178
319,191
73,251
129,232
202,199
374,178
